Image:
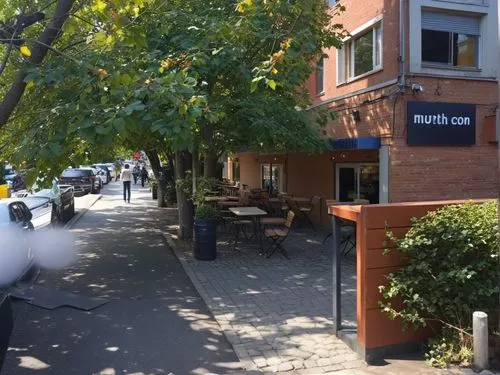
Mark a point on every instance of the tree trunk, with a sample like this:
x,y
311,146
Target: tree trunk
x,y
154,159
184,205
210,165
194,168
51,32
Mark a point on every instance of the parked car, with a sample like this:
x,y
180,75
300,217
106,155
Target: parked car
x,y
61,198
16,216
83,180
106,168
101,173
9,174
112,170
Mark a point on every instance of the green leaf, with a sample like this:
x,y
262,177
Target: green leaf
x,y
272,84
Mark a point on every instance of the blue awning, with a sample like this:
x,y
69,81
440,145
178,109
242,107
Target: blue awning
x,y
367,143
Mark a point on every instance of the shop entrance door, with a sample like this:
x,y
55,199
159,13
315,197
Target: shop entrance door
x,y
272,178
357,181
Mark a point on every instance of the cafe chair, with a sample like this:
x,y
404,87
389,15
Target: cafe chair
x,y
304,213
278,235
240,226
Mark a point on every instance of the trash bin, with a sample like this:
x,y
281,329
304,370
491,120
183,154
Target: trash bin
x,y
4,191
205,241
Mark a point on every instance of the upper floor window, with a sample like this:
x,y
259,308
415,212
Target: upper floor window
x,y
320,76
450,40
366,52
362,54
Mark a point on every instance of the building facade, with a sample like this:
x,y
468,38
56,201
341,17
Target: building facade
x,y
414,92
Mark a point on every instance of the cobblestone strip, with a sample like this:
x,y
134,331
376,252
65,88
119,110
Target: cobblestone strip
x,y
273,335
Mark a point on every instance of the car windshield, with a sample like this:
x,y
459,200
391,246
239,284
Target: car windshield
x,y
76,173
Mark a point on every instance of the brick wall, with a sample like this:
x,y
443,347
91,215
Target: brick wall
x,y
437,172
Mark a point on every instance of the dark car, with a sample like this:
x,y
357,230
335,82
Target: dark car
x,y
84,180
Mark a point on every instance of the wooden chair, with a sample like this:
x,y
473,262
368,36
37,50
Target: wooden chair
x,y
284,203
304,212
278,235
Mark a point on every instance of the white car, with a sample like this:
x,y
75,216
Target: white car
x,y
112,170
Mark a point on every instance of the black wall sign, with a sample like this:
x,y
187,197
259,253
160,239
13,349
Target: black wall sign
x,y
445,124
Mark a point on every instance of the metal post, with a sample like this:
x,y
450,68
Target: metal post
x,y
336,275
480,332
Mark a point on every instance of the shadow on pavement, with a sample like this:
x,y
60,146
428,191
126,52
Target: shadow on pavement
x,y
155,322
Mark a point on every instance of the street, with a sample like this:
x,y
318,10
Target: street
x,y
154,323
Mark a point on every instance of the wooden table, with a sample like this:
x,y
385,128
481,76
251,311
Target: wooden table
x,y
215,199
253,212
229,204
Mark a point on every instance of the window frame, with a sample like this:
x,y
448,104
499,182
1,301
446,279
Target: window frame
x,y
345,69
450,66
320,75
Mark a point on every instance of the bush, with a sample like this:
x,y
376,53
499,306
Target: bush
x,y
452,271
206,212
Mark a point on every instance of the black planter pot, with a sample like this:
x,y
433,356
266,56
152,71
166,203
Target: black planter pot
x,y
205,239
155,192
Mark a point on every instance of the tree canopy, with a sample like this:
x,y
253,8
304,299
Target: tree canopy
x,y
167,75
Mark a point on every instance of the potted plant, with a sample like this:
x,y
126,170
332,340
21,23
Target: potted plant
x,y
205,228
154,188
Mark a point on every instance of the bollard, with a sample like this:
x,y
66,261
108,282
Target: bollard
x,y
480,332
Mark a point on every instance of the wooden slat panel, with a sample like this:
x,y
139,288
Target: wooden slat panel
x,y
375,278
381,331
375,238
398,215
376,259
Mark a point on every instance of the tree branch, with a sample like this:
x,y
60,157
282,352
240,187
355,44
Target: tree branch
x,y
46,38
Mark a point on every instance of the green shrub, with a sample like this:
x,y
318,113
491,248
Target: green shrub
x,y
206,212
453,270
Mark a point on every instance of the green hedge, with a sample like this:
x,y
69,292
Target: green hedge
x,y
453,271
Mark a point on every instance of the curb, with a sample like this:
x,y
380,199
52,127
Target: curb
x,y
80,214
247,364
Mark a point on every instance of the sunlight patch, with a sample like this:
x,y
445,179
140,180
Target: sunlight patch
x,y
32,363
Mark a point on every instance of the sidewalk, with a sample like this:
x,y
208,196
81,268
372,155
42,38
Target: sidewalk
x,y
155,322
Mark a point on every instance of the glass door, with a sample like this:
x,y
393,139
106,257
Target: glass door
x,y
272,178
357,181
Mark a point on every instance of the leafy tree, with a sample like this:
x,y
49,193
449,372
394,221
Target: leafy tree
x,y
174,77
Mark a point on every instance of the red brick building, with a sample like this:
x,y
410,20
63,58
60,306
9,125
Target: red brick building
x,y
414,90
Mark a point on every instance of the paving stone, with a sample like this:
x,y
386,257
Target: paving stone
x,y
259,362
298,364
353,364
310,363
324,362
271,361
285,366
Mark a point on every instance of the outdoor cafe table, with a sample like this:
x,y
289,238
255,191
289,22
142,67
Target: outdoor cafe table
x,y
253,212
229,204
215,199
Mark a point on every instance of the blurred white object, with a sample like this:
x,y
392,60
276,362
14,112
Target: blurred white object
x,y
15,256
53,249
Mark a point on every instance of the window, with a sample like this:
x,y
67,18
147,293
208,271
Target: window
x,y
360,55
450,40
320,77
